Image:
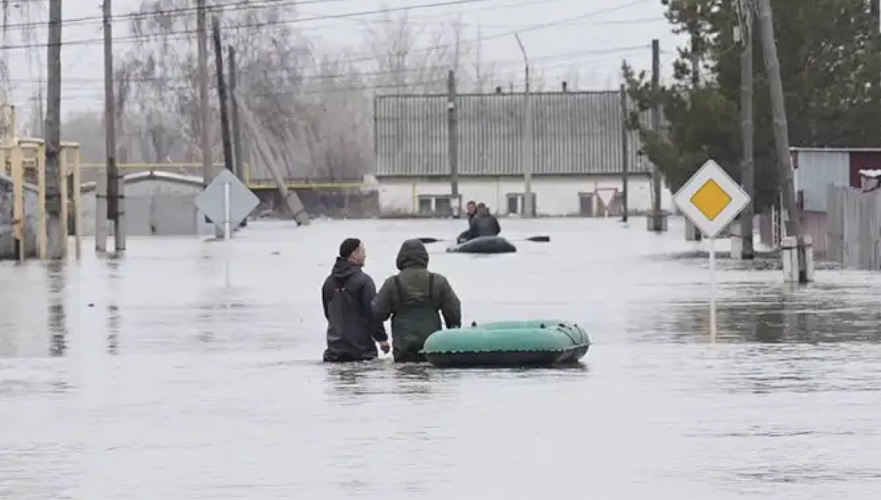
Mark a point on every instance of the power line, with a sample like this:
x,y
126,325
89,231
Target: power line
x,y
182,34
181,11
368,74
405,86
252,5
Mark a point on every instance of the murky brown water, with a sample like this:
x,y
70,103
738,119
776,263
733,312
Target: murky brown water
x,y
147,378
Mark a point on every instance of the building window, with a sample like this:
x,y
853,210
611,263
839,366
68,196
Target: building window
x,y
513,204
425,205
435,205
585,204
516,205
443,206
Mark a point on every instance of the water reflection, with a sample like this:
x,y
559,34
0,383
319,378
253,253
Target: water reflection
x,y
350,379
57,316
415,379
774,316
114,323
113,329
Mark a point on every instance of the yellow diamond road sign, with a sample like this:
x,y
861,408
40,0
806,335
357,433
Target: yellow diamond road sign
x,y
711,199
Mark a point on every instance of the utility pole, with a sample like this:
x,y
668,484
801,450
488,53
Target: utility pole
x,y
656,222
234,115
625,152
115,188
453,143
202,42
221,98
781,133
55,227
238,152
528,138
695,57
747,165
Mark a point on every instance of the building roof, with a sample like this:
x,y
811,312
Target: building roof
x,y
835,150
575,133
151,175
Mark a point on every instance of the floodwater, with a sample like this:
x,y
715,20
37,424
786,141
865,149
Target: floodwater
x,y
149,378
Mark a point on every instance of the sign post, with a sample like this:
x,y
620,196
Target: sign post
x,y
226,202
711,200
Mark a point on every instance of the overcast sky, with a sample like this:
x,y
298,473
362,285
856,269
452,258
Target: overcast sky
x,y
590,37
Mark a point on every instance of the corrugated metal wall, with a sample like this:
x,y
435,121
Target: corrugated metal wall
x,y
816,171
575,133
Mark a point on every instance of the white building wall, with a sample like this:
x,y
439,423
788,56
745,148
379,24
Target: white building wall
x,y
558,196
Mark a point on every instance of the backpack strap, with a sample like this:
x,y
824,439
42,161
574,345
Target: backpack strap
x,y
398,291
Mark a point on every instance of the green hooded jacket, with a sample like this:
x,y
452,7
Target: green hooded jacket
x,y
412,299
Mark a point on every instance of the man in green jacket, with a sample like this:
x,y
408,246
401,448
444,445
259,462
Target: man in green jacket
x,y
412,299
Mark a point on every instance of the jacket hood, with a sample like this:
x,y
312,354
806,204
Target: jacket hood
x,y
412,254
343,269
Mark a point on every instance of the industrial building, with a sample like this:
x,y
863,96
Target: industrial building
x,y
577,154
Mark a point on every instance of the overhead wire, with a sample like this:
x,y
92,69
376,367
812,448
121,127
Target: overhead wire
x,y
439,46
410,85
239,6
320,76
172,35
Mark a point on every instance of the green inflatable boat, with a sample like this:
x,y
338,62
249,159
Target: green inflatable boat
x,y
484,245
508,343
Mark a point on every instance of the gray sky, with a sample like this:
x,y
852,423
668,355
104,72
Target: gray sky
x,y
599,35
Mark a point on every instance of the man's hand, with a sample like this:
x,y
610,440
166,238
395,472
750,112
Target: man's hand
x,y
384,345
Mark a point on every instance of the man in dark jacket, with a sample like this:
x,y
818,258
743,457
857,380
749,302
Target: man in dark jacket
x,y
484,223
412,299
347,295
470,211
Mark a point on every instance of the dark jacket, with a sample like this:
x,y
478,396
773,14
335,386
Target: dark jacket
x,y
352,330
484,224
412,299
466,234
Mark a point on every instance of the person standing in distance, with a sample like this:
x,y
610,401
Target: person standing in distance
x,y
412,299
347,294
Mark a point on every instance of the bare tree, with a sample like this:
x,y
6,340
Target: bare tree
x,y
407,64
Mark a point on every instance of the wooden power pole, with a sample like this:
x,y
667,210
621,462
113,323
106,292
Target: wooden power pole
x,y
56,228
453,143
221,98
781,133
204,109
115,188
625,154
747,132
238,154
238,150
656,222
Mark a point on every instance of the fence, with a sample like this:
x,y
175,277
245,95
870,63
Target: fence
x,y
853,231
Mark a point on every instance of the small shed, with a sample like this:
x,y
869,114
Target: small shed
x,y
815,169
156,204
